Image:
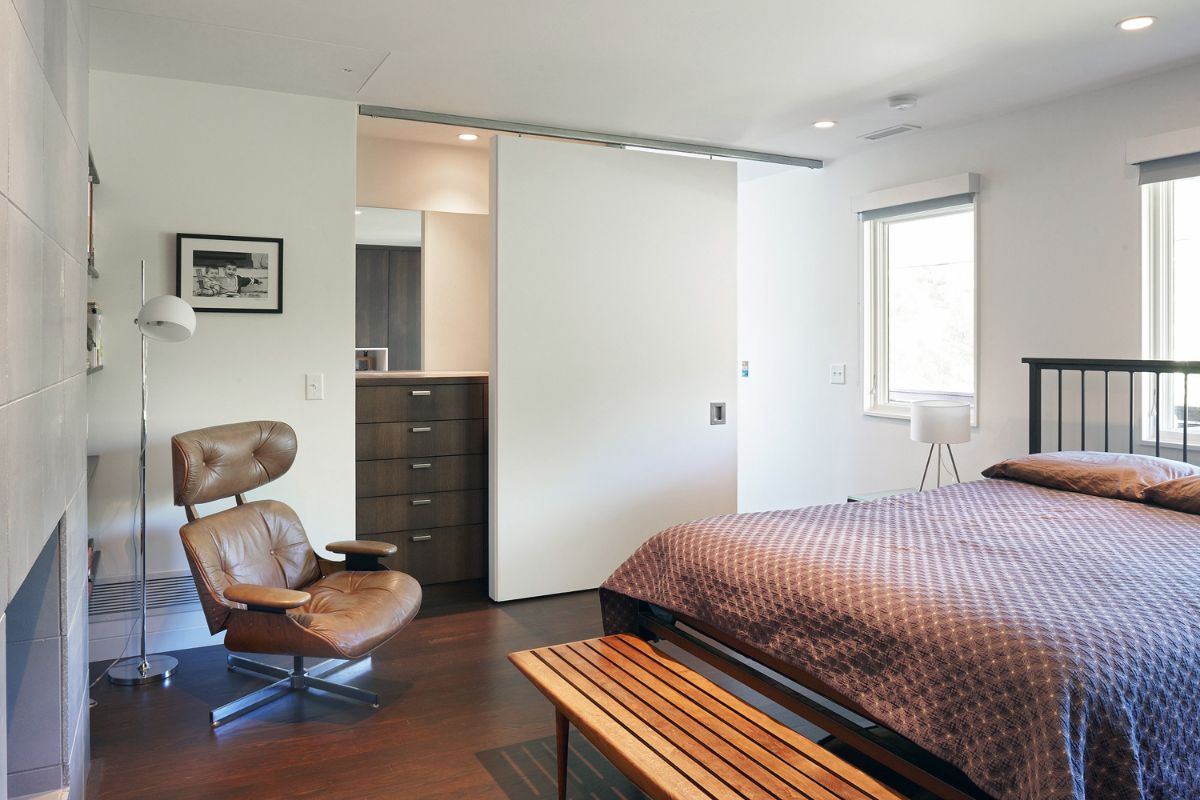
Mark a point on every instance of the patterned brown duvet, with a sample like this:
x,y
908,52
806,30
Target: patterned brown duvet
x,y
1044,642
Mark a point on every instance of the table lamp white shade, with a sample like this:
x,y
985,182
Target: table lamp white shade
x,y
166,318
940,422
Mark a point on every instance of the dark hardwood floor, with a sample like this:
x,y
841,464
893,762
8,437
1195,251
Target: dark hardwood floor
x,y
456,721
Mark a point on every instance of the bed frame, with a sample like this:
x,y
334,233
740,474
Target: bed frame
x,y
806,695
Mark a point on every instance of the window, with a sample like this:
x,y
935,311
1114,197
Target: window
x,y
1171,261
920,309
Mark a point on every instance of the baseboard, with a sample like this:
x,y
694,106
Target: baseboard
x,y
113,635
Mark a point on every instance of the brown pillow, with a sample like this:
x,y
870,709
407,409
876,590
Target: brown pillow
x,y
1181,494
1124,476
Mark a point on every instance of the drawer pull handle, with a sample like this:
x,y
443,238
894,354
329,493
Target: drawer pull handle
x,y
424,502
424,538
422,466
420,393
426,429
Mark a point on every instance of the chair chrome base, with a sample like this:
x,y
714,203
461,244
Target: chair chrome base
x,y
286,681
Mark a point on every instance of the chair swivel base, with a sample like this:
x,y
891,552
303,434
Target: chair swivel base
x,y
297,678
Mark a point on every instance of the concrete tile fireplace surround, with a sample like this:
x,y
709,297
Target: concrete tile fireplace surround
x,y
43,397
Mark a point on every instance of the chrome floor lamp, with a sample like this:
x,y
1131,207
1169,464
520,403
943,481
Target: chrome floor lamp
x,y
165,318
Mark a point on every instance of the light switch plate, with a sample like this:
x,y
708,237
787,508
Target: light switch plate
x,y
314,386
837,373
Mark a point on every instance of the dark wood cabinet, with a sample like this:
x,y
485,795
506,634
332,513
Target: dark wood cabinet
x,y
388,302
422,471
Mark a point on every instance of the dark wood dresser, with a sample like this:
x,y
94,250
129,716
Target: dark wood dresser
x,y
422,470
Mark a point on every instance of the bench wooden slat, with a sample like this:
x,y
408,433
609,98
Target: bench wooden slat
x,y
841,772
661,769
817,764
729,764
679,736
785,761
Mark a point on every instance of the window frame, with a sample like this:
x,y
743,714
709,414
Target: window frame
x,y
1158,312
873,243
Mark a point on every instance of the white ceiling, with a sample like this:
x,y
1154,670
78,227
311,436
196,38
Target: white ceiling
x,y
746,73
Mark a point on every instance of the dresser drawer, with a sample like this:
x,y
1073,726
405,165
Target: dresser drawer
x,y
438,555
428,402
411,475
405,512
417,439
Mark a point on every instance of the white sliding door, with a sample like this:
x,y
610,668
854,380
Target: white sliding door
x,y
614,310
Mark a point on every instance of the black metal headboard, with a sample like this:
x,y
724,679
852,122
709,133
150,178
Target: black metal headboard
x,y
1107,366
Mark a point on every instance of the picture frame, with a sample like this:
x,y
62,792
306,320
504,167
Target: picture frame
x,y
229,274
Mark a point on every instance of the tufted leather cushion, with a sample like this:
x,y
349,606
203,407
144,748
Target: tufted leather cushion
x,y
225,460
261,543
349,615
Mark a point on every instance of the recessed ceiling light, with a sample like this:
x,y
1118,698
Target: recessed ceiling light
x,y
358,212
1135,23
824,123
468,137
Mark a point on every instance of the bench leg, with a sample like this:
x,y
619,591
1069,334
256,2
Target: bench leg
x,y
562,731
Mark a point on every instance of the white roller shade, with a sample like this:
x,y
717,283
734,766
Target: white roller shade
x,y
954,190
1166,156
1169,169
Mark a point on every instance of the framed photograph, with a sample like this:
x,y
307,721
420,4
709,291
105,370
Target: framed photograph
x,y
230,273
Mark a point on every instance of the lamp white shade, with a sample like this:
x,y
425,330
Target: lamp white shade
x,y
940,422
166,318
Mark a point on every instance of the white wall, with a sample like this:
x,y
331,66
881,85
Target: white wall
x,y
188,157
615,329
456,263
1059,276
394,173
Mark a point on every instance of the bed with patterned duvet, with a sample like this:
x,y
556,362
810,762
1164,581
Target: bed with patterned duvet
x,y
1046,642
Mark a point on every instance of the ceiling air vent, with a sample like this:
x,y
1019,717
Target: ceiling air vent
x,y
884,133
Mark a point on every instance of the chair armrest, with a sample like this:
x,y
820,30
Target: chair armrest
x,y
266,598
363,556
360,547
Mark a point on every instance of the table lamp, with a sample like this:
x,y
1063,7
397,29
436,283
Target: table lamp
x,y
938,423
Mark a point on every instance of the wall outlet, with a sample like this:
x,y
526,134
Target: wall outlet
x,y
837,373
314,386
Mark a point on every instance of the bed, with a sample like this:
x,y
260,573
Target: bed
x,y
993,638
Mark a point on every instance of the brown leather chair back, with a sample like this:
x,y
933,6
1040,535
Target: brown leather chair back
x,y
260,542
227,460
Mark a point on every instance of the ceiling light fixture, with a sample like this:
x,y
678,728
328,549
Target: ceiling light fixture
x,y
824,123
468,137
1135,23
358,212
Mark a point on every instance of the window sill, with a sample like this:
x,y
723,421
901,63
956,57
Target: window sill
x,y
889,412
904,412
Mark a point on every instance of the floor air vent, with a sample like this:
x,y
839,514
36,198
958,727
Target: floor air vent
x,y
884,133
124,596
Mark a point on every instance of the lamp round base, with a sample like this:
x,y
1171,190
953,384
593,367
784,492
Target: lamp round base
x,y
130,672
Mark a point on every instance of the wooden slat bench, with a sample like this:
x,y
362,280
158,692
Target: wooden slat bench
x,y
677,734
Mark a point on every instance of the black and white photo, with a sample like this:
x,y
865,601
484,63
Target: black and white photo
x,y
230,273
